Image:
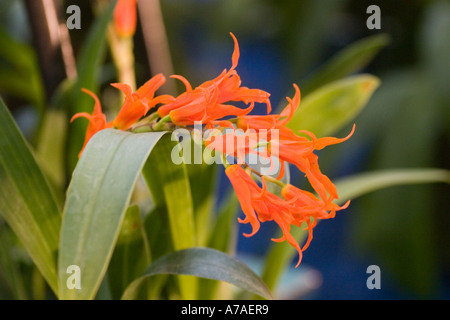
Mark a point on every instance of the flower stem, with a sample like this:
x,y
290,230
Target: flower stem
x,y
160,124
273,180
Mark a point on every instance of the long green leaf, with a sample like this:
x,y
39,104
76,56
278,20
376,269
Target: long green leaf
x,y
223,238
347,61
26,201
169,182
357,185
350,188
170,189
131,255
205,263
203,197
97,199
333,106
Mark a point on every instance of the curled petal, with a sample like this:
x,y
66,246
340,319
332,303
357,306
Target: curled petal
x,y
324,142
126,89
290,109
288,237
148,89
138,103
236,174
235,56
310,235
97,120
184,80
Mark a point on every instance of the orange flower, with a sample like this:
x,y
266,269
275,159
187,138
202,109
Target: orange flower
x,y
206,103
125,17
137,104
259,205
97,120
271,121
274,123
299,151
308,207
246,191
234,144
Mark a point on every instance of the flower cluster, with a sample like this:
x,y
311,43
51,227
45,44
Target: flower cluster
x,y
296,206
209,104
135,106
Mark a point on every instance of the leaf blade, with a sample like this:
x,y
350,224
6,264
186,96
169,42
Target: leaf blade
x,y
170,188
99,193
131,253
26,201
333,106
360,184
206,263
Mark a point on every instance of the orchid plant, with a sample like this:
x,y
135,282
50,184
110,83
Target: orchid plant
x,y
136,222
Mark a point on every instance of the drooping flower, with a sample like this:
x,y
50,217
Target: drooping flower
x,y
137,104
299,151
207,102
125,17
246,191
296,208
97,120
308,208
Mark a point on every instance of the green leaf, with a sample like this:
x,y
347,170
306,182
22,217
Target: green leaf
x,y
205,263
169,185
131,255
26,201
333,106
223,238
50,149
351,59
349,188
89,61
202,180
360,184
97,198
